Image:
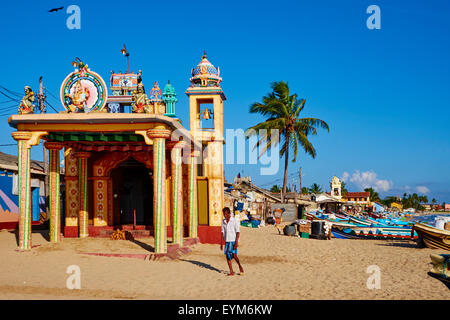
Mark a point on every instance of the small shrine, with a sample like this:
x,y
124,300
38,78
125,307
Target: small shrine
x,y
128,160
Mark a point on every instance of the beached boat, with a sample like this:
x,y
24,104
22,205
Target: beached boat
x,y
360,221
441,268
350,231
432,237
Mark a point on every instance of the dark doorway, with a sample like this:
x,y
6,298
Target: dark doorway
x,y
132,191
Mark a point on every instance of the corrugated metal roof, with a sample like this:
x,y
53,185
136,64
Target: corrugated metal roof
x,y
9,162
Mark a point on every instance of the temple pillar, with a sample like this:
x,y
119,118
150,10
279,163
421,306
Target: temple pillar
x,y
23,164
193,209
54,190
177,193
25,140
82,194
159,137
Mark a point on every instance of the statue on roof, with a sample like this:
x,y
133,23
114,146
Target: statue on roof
x,y
26,105
156,93
141,103
78,98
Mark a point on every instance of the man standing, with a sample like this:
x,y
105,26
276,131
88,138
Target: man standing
x,y
230,235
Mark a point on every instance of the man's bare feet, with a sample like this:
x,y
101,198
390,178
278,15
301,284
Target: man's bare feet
x,y
230,274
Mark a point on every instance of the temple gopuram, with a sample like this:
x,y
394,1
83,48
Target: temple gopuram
x,y
127,158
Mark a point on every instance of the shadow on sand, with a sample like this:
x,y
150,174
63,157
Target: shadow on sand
x,y
399,244
143,245
44,233
203,265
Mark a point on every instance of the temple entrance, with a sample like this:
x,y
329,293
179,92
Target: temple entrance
x,y
132,192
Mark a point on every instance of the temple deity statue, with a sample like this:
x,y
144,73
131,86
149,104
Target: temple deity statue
x,y
141,103
26,105
78,98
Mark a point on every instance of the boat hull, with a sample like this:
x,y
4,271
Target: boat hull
x,y
432,237
372,233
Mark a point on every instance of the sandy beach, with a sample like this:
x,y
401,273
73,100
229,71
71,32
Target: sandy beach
x,y
276,267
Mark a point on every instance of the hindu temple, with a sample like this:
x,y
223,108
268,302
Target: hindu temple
x,y
128,160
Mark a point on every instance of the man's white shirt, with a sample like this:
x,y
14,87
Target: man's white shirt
x,y
230,229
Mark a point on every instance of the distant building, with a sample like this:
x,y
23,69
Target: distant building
x,y
397,205
447,207
430,206
9,211
378,207
357,197
359,201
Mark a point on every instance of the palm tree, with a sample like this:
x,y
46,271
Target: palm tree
x,y
374,196
283,114
315,188
305,190
275,189
344,190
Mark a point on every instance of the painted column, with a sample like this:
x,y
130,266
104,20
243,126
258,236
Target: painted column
x,y
177,192
159,137
23,152
214,173
82,194
54,190
71,186
193,210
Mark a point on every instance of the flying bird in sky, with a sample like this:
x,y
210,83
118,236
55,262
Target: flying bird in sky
x,y
55,9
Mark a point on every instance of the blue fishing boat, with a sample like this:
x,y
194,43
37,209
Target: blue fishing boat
x,y
350,231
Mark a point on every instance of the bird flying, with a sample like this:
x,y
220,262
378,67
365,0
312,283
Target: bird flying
x,y
55,9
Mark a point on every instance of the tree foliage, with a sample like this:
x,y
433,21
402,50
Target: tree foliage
x,y
282,110
374,196
315,188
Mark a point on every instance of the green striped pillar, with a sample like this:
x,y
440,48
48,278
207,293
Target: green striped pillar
x,y
82,194
23,152
159,137
177,193
54,190
193,211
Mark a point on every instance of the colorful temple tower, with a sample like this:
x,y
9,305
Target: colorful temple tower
x,y
204,93
128,160
170,99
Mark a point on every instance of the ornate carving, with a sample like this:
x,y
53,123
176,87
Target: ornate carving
x,y
54,145
104,165
158,133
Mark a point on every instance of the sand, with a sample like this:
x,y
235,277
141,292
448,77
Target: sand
x,y
276,267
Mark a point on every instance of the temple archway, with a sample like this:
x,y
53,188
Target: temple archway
x,y
132,191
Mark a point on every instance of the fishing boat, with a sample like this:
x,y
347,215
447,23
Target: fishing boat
x,y
352,231
432,237
441,268
360,221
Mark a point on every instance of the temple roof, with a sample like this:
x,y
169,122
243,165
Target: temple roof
x,y
205,70
97,122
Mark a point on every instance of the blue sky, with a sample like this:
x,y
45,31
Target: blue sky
x,y
384,93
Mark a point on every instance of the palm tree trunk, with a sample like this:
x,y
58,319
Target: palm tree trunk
x,y
286,163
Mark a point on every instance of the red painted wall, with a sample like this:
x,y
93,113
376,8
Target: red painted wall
x,y
209,234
